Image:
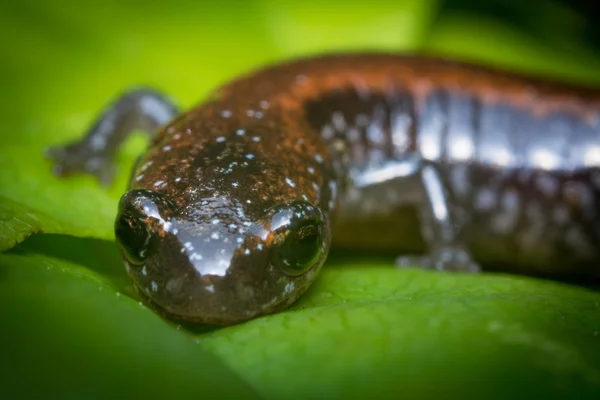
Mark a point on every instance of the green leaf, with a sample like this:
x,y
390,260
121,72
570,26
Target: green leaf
x,y
18,222
379,332
359,332
70,331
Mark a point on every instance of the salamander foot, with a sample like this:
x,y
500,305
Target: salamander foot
x,y
442,259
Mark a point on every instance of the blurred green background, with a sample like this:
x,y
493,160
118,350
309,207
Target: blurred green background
x,y
71,326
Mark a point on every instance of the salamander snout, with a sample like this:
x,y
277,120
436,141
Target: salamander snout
x,y
214,265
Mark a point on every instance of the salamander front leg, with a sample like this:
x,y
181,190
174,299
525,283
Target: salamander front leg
x,y
439,223
439,226
94,154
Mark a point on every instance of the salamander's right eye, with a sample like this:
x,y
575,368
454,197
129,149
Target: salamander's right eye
x,y
141,213
134,237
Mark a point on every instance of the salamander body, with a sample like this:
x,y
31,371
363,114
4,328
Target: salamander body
x,y
231,212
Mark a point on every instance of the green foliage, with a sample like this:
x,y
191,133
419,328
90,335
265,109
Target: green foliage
x,y
71,324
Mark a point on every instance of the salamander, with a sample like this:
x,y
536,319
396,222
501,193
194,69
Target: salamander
x,y
231,212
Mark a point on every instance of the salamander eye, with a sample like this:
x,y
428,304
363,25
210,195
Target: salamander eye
x,y
299,233
134,237
140,215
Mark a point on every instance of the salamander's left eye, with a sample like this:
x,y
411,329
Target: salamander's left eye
x,y
299,232
300,249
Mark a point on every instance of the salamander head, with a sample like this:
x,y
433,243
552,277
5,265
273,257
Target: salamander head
x,y
213,262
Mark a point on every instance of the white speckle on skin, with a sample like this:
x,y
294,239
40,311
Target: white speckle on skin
x,y
353,134
240,240
247,251
220,139
259,246
318,158
510,200
290,182
327,132
256,139
98,142
249,156
210,288
177,179
264,104
485,199
215,221
459,178
159,184
167,148
338,120
547,184
144,272
139,177
232,226
234,184
289,287
154,286
225,113
215,236
310,170
146,165
160,111
240,132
